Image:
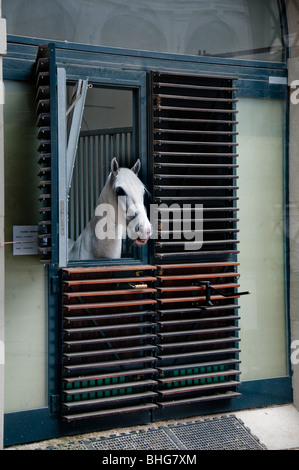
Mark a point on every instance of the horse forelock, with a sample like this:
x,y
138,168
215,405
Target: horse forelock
x,y
128,180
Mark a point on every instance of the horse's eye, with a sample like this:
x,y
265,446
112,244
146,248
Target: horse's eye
x,y
120,191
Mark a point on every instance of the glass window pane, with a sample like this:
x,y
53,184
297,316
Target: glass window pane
x,y
247,29
25,279
263,329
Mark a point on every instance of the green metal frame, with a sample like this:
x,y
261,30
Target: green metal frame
x,y
128,68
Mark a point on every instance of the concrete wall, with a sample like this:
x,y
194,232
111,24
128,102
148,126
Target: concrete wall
x,y
293,18
2,51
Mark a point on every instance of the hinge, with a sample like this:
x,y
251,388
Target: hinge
x,y
54,284
54,403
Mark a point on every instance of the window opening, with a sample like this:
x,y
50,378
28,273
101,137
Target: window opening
x,y
106,133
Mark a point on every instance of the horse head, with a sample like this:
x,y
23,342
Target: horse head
x,y
129,191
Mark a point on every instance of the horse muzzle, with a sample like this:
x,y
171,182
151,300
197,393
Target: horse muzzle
x,y
143,235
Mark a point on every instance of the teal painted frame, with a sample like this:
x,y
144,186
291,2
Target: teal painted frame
x,y
253,81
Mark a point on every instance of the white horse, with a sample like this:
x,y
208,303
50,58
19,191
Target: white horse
x,y
120,210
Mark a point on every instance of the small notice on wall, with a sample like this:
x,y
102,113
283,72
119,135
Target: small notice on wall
x,y
25,240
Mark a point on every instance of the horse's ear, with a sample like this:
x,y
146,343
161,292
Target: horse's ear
x,y
114,165
136,167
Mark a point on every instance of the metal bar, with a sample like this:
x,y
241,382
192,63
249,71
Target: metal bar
x,y
75,128
62,167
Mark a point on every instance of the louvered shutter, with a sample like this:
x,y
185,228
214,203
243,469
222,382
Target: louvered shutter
x,y
45,76
109,341
194,158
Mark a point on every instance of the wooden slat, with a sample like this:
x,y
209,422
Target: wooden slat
x,y
125,326
109,269
103,388
200,399
118,280
195,354
184,378
110,364
109,412
108,400
101,305
199,388
143,337
87,378
70,295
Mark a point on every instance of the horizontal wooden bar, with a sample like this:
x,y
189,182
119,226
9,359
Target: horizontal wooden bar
x,y
123,373
195,299
191,355
195,120
199,177
194,87
204,276
118,280
108,400
198,365
114,339
199,388
103,352
202,331
109,269
197,110
189,401
125,303
195,165
196,288
194,98
184,378
109,412
70,295
111,316
205,342
195,154
195,254
192,142
165,130
220,264
114,386
109,364
195,321
90,329
178,75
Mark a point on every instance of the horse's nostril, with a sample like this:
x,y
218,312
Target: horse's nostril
x,y
137,228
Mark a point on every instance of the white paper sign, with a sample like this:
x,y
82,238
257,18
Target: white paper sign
x,y
25,239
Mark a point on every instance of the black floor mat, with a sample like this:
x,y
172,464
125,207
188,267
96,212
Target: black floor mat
x,y
225,433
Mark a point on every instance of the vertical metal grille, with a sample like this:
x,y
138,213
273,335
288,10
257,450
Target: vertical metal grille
x,y
108,341
93,160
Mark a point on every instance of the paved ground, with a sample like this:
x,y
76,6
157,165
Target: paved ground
x,y
276,427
